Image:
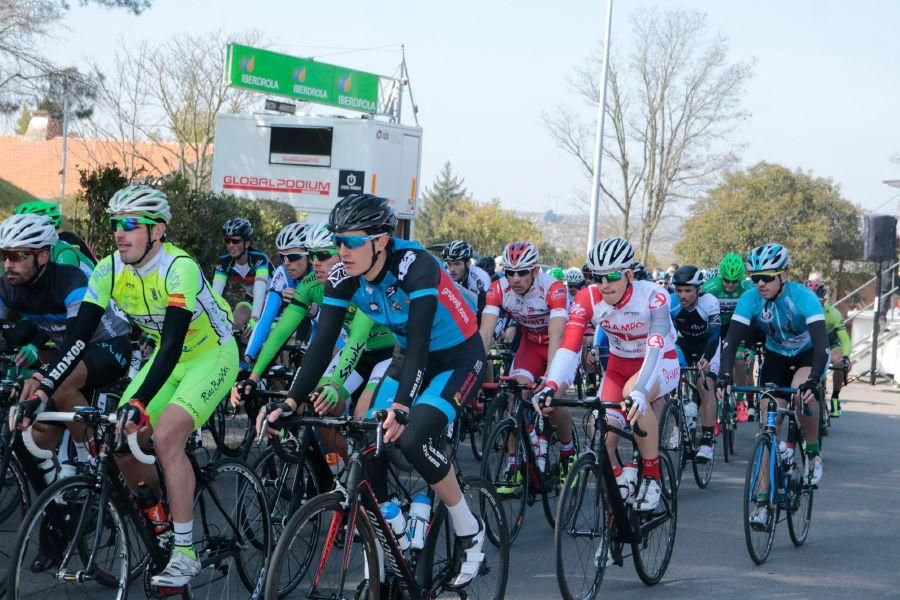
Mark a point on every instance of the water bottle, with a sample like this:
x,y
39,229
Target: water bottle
x,y
542,453
335,463
630,471
533,438
152,507
419,514
48,470
394,516
787,458
690,415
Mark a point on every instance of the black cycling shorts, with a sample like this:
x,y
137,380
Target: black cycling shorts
x,y
779,369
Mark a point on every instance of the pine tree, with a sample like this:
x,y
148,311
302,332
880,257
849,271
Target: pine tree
x,y
23,121
439,201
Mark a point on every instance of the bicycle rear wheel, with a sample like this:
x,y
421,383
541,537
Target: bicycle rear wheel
x,y
15,496
437,558
581,538
228,428
308,559
671,437
284,493
759,478
726,424
512,482
703,470
60,531
799,512
652,554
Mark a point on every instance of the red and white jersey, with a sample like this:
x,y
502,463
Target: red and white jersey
x,y
627,323
545,300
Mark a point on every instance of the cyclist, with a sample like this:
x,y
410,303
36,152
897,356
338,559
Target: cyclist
x,y
439,362
558,274
728,287
486,264
791,318
643,363
295,265
62,252
696,319
537,301
49,295
838,341
243,264
574,282
457,257
195,361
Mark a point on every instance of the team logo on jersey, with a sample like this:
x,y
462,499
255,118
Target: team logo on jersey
x,y
766,314
656,341
154,294
558,293
578,311
408,259
337,274
373,306
396,306
390,291
658,300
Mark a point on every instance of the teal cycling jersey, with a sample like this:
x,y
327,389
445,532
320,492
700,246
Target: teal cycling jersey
x,y
784,320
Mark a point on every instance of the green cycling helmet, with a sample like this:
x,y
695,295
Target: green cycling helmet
x,y
557,273
43,208
732,267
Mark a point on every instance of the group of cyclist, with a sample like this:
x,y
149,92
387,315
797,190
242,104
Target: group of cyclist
x,y
391,328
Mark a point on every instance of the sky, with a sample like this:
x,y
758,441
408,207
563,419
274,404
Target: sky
x,y
824,95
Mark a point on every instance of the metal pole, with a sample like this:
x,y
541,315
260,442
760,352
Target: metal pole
x,y
65,137
873,369
598,143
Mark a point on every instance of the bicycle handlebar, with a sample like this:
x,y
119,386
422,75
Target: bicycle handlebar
x,y
591,403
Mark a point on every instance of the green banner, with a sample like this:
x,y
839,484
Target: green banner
x,y
283,75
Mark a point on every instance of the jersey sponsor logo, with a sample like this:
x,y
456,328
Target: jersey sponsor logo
x,y
658,300
63,364
374,308
390,291
656,341
396,307
578,311
337,274
405,263
558,293
624,327
456,302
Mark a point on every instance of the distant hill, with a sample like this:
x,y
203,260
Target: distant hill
x,y
10,197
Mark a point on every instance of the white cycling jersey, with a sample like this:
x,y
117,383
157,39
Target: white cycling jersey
x,y
545,300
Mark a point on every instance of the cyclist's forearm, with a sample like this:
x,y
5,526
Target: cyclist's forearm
x,y
421,319
846,344
318,355
259,297
819,336
712,344
291,318
737,331
261,331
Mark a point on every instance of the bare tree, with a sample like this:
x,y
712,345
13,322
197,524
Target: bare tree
x,y
673,101
162,100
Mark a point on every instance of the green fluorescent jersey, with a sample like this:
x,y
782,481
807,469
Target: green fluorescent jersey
x,y
369,336
64,253
727,300
171,278
837,333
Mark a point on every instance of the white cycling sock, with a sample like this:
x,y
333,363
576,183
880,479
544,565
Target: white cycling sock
x,y
464,522
184,534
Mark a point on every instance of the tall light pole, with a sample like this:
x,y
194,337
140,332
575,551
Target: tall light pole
x,y
598,142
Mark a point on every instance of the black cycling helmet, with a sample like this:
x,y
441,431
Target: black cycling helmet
x,y
687,275
487,263
457,250
238,227
364,212
640,273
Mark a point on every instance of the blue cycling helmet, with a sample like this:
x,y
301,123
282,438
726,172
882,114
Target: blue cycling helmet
x,y
768,257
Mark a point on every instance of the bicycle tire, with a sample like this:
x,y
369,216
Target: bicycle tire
x,y
495,411
279,480
476,435
672,416
703,471
759,464
432,568
640,551
18,494
294,531
577,495
799,512
229,432
45,518
494,466
725,426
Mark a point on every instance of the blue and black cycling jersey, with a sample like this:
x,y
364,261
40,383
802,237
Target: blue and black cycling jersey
x,y
413,296
52,302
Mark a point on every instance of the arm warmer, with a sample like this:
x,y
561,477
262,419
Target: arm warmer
x,y
712,344
412,374
290,321
819,336
353,349
319,353
660,324
259,296
261,331
218,282
174,330
737,331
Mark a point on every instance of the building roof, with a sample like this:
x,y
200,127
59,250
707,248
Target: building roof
x,y
34,165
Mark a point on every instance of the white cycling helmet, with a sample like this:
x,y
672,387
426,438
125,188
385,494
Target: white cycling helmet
x,y
141,199
292,235
318,237
27,231
520,255
611,254
574,276
768,257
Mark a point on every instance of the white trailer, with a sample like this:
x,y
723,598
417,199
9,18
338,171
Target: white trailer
x,y
311,161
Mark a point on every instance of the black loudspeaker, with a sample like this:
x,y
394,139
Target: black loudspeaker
x,y
881,238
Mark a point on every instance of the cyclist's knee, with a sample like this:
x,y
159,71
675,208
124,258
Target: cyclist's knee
x,y
419,443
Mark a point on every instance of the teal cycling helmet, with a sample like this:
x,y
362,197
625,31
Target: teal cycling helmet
x,y
768,257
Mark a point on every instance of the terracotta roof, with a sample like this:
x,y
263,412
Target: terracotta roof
x,y
34,166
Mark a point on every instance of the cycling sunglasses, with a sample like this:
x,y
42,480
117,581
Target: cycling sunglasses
x,y
611,277
731,281
292,257
234,240
517,273
17,255
322,255
765,277
352,242
128,223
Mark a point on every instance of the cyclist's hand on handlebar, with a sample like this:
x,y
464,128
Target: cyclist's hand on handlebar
x,y
27,356
270,414
636,405
703,365
541,400
326,398
394,425
723,385
134,417
242,390
27,411
845,362
807,390
30,387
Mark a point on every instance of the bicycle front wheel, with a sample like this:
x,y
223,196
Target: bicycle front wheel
x,y
308,561
15,496
759,533
59,537
672,437
508,473
581,538
437,558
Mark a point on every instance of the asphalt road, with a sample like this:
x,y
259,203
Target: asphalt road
x,y
853,549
